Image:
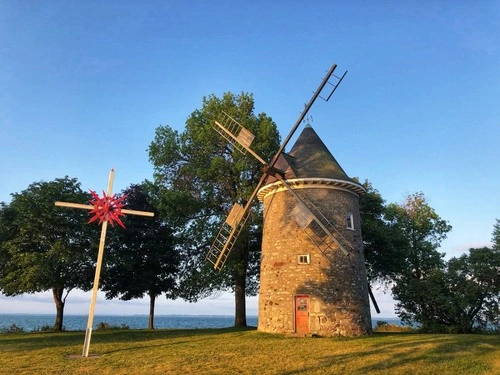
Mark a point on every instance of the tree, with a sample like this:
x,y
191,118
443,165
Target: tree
x,y
43,247
383,243
142,260
201,165
475,284
459,298
420,233
496,235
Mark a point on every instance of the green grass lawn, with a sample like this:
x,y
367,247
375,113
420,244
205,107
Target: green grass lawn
x,y
246,351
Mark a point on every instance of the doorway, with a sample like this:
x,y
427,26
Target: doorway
x,y
302,314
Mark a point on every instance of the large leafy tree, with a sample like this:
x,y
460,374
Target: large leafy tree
x,y
420,231
401,248
460,297
44,247
475,285
199,165
142,259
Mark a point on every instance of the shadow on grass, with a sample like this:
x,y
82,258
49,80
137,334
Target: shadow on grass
x,y
429,349
38,340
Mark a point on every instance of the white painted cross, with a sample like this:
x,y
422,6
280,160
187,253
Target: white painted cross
x,y
105,209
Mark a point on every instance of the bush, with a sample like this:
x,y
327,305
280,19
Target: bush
x,y
46,328
103,326
386,327
13,329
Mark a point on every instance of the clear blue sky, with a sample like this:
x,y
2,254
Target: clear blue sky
x,y
83,85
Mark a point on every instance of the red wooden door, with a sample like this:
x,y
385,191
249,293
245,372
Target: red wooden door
x,y
302,314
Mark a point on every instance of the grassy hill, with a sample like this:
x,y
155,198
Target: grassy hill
x,y
246,351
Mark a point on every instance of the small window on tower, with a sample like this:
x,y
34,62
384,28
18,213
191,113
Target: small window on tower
x,y
349,221
303,259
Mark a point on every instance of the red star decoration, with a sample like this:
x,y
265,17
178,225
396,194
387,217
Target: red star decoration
x,y
107,208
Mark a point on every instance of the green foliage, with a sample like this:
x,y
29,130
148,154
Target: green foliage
x,y
422,231
386,327
496,235
103,326
201,176
12,329
141,260
383,244
44,247
399,240
46,328
401,247
463,297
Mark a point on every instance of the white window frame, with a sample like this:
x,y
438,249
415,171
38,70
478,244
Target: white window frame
x,y
349,221
303,259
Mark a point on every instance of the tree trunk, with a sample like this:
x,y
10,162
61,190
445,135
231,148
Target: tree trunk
x,y
152,299
57,293
240,313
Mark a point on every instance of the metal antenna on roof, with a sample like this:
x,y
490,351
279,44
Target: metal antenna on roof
x,y
308,120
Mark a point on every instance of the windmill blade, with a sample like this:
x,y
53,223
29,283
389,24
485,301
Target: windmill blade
x,y
241,139
316,225
308,106
231,229
372,297
334,86
238,136
227,236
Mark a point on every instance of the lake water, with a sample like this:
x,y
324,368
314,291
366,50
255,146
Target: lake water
x,y
32,322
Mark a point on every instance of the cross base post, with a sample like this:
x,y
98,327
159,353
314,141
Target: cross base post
x,y
86,344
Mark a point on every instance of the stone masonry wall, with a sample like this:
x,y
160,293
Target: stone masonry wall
x,y
338,294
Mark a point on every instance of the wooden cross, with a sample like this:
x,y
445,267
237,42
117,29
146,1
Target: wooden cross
x,y
107,208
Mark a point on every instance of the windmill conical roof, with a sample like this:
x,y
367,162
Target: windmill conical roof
x,y
310,158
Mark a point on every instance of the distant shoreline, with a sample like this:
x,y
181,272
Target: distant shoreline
x,y
39,322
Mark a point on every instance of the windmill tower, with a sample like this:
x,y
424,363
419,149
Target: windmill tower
x,y
307,284
324,243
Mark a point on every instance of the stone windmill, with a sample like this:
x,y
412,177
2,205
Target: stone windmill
x,y
308,286
313,278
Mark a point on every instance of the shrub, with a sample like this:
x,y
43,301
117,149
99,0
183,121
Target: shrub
x,y
386,327
103,326
13,329
45,328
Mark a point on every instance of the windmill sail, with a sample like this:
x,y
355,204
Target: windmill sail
x,y
227,236
230,230
319,229
239,137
